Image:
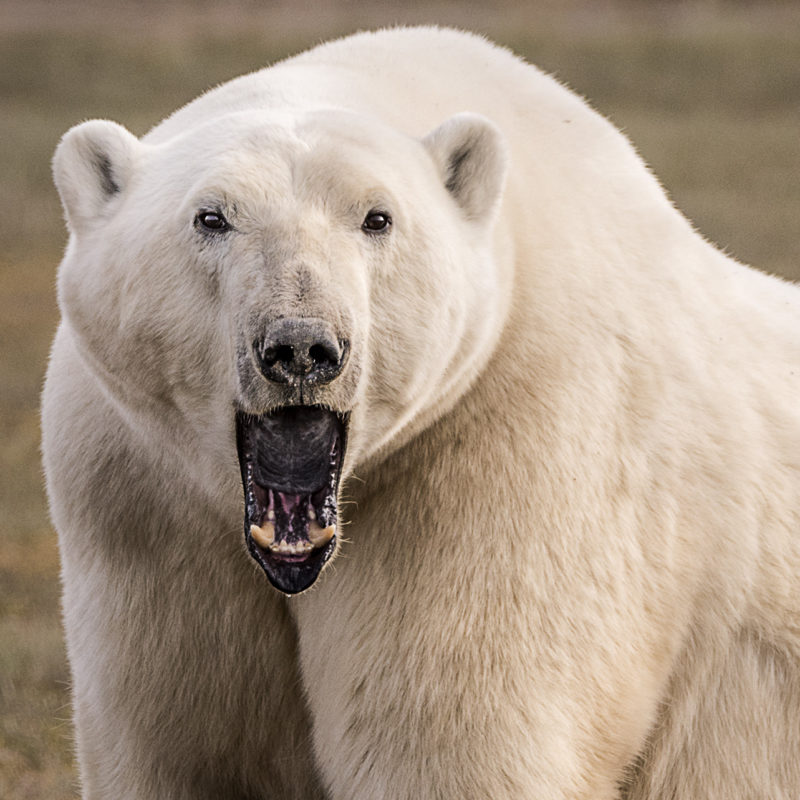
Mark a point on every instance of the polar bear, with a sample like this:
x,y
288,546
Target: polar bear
x,y
404,442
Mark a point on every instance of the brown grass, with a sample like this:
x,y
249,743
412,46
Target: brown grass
x,y
709,92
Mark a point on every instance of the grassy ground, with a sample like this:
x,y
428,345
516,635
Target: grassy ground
x,y
709,92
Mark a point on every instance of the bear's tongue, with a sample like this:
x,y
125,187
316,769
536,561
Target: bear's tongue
x,y
291,463
291,525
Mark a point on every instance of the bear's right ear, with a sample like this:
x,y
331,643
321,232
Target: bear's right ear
x,y
92,165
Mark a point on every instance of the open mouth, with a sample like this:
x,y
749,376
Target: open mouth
x,y
291,463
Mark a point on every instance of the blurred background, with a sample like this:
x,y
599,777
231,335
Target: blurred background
x,y
708,90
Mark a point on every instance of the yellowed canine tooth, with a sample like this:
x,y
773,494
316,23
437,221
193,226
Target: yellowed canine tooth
x,y
319,535
265,536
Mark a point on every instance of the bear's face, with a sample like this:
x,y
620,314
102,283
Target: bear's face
x,y
320,283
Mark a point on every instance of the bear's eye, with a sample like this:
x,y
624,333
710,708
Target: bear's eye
x,y
376,222
211,221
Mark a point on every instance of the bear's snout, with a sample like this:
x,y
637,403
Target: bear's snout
x,y
300,349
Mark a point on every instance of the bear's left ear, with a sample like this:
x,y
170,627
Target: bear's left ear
x,y
472,157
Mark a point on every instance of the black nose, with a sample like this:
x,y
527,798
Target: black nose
x,y
300,349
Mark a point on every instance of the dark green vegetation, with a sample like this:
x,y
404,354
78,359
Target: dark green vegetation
x,y
715,109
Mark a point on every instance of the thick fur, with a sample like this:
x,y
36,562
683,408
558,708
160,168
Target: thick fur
x,y
572,491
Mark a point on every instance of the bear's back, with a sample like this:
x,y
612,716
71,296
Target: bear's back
x,y
413,79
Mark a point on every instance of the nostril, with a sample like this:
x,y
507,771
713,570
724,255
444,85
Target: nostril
x,y
324,354
282,353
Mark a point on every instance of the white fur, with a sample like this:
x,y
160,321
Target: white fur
x,y
572,566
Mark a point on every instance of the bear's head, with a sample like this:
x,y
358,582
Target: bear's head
x,y
314,287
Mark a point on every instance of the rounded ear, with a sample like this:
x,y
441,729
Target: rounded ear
x,y
472,157
92,165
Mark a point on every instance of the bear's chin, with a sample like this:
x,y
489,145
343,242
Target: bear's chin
x,y
291,464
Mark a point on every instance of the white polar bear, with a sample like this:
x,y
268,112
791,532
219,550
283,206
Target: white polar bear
x,y
407,288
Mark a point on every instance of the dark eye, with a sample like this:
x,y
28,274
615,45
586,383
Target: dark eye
x,y
211,221
376,222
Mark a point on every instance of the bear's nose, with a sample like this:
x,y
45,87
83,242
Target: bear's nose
x,y
303,349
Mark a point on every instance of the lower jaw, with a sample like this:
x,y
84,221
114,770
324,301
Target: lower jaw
x,y
292,574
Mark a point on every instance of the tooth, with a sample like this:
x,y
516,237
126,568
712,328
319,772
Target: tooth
x,y
311,513
271,515
319,535
264,536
